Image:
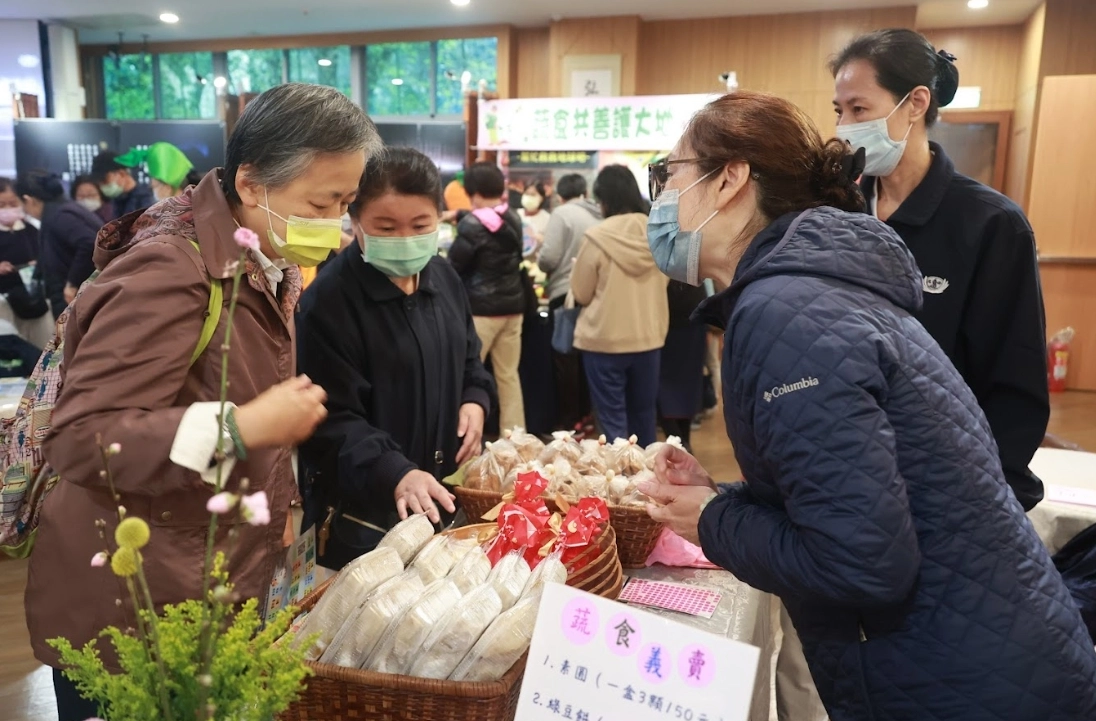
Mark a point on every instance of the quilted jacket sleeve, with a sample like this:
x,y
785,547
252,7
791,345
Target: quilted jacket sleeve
x,y
845,535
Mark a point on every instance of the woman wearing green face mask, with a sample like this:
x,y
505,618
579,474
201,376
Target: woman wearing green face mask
x,y
387,330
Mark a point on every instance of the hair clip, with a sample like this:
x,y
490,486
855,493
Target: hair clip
x,y
853,164
946,56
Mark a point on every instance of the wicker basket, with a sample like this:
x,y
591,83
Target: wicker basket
x,y
476,503
335,693
637,534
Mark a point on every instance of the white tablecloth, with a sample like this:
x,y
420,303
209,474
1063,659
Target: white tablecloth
x,y
1069,506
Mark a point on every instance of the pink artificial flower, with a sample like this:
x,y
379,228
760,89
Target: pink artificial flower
x,y
221,503
99,560
246,238
256,509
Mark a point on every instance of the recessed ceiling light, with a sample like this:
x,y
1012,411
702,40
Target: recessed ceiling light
x,y
460,3
220,81
169,18
977,4
323,63
397,81
28,61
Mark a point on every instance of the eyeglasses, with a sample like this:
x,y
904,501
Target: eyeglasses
x,y
658,174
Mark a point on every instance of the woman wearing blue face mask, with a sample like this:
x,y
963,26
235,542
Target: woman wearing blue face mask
x,y
387,330
983,303
874,504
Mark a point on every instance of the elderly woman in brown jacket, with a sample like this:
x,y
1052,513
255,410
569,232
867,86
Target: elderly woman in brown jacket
x,y
293,162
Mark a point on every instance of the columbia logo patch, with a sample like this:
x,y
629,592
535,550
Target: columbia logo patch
x,y
935,285
784,390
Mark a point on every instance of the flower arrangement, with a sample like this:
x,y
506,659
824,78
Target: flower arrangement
x,y
205,658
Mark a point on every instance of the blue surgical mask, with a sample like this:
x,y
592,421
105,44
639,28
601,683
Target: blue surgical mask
x,y
882,154
676,251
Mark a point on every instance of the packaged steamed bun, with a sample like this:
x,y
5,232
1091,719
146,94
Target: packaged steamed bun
x,y
471,571
360,578
396,651
439,555
550,570
409,536
455,635
509,577
363,629
501,645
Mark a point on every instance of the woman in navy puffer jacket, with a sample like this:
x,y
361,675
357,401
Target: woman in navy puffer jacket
x,y
874,505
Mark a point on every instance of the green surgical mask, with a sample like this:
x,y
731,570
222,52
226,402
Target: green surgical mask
x,y
400,257
111,190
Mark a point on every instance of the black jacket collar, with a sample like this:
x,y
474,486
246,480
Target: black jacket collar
x,y
377,285
921,206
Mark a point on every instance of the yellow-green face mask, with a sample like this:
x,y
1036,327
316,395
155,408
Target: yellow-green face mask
x,y
308,241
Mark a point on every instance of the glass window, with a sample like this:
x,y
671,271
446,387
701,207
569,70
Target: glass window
x,y
186,86
398,78
322,66
254,71
463,63
127,87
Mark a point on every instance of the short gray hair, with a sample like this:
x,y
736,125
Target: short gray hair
x,y
283,130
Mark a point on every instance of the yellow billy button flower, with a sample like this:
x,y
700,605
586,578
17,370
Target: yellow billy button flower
x,y
132,533
125,562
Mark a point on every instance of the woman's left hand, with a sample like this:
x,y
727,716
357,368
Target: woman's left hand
x,y
678,507
471,430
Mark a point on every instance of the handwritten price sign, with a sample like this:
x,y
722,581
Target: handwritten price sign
x,y
598,660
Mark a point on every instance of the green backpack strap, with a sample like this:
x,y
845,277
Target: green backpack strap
x,y
212,316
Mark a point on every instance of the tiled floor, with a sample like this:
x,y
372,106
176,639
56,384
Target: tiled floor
x,y
26,689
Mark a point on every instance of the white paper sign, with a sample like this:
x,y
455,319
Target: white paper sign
x,y
597,660
590,83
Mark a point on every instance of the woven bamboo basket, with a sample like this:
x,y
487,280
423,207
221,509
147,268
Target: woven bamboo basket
x,y
335,693
476,503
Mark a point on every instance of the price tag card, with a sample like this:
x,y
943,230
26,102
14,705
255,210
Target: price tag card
x,y
598,660
672,597
1069,494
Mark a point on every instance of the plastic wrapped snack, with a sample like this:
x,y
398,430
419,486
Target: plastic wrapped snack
x,y
592,461
360,578
455,635
653,450
631,495
550,570
561,476
364,628
501,645
409,536
471,571
509,577
628,457
528,446
485,473
563,445
396,651
520,469
439,555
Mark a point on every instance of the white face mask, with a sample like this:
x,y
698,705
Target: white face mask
x,y
882,153
92,204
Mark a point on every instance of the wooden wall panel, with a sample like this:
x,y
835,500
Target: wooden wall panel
x,y
782,54
1069,293
531,46
1027,97
988,58
595,36
1069,47
1063,186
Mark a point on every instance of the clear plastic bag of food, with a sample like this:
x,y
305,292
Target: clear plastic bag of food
x,y
550,570
630,494
628,457
528,446
563,445
471,571
396,651
409,536
501,645
560,474
455,635
520,469
360,578
439,555
655,448
509,577
364,628
592,461
485,473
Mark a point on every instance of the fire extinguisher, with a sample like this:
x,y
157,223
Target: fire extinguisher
x,y
1058,360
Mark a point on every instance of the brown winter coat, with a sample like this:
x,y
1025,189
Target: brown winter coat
x,y
128,344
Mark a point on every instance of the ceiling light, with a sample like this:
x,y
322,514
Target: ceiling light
x,y
323,63
466,77
28,61
977,4
397,81
460,3
220,82
169,18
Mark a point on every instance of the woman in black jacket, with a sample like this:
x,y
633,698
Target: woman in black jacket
x,y
387,330
681,372
19,250
67,236
487,256
983,301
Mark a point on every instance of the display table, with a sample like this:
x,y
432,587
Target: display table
x,y
744,614
1069,506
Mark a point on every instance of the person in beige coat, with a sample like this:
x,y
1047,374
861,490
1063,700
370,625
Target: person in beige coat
x,y
625,315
